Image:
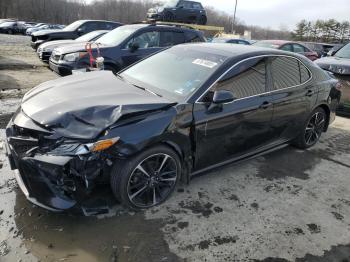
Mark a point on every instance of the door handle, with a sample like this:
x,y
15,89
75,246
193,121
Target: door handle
x,y
309,92
265,105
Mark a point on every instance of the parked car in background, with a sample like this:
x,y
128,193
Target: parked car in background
x,y
45,28
230,40
289,46
123,46
22,27
160,120
8,27
334,49
44,50
179,11
32,29
339,65
72,31
320,48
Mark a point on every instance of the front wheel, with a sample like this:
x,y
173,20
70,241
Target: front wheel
x,y
147,179
202,20
312,130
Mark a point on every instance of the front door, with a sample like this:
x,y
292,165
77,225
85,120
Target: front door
x,y
237,128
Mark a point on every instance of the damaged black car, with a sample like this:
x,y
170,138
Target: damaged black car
x,y
159,121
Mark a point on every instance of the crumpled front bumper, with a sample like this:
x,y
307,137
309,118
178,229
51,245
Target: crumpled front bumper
x,y
41,178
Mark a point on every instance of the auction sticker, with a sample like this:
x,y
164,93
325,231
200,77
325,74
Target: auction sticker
x,y
203,62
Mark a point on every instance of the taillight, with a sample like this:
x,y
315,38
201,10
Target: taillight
x,y
338,86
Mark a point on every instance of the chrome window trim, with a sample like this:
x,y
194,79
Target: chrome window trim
x,y
249,58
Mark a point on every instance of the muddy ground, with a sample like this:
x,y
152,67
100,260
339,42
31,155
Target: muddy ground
x,y
290,205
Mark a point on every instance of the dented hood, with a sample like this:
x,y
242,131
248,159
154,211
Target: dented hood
x,y
82,106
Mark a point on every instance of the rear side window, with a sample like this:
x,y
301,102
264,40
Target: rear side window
x,y
287,47
298,48
197,6
245,80
287,72
172,38
187,5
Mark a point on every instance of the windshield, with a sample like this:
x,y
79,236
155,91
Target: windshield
x,y
343,52
73,26
176,72
171,3
89,36
266,44
118,35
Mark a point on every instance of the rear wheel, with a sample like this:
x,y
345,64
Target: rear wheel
x,y
312,130
10,32
147,179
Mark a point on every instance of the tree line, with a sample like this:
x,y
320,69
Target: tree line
x,y
328,31
125,11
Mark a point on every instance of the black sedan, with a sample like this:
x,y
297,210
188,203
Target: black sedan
x,y
159,121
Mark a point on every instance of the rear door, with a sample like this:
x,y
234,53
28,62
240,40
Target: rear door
x,y
236,128
293,95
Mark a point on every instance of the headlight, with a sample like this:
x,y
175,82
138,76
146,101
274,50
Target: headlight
x,y
73,56
76,149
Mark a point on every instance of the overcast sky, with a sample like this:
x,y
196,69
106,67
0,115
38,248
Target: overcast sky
x,y
274,13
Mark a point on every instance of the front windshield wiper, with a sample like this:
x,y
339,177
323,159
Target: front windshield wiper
x,y
140,87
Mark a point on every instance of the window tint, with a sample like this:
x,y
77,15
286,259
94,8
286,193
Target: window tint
x,y
197,6
285,72
287,47
298,48
187,5
146,40
247,79
172,38
90,26
304,73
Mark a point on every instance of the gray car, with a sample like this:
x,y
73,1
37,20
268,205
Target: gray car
x,y
179,11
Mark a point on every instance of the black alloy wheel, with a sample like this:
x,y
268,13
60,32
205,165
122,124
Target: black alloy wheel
x,y
152,180
315,128
147,179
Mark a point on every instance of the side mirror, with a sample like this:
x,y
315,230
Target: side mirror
x,y
134,46
81,31
223,96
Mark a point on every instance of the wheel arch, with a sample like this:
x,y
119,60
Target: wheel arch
x,y
326,108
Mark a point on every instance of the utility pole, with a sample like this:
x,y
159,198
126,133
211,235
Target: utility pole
x,y
234,16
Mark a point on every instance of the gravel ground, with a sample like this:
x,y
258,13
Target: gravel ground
x,y
289,205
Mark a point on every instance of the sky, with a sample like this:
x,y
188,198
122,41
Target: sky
x,y
286,13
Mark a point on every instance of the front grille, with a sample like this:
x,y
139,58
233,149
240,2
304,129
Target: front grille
x,y
34,38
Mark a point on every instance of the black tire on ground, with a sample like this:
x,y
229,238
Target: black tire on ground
x,y
169,17
202,20
146,179
312,129
10,32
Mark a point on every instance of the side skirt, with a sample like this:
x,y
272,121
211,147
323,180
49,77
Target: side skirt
x,y
241,158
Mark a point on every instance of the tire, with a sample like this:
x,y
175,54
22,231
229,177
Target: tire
x,y
10,32
202,20
169,17
312,129
146,179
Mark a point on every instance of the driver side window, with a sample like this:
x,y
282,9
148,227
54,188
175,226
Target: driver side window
x,y
246,79
146,40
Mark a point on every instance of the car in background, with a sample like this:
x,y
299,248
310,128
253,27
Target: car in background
x,y
160,121
320,48
179,11
289,46
122,47
339,65
32,29
8,27
72,31
22,27
334,49
44,50
230,40
46,28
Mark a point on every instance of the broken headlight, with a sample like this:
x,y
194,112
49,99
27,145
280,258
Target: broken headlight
x,y
76,149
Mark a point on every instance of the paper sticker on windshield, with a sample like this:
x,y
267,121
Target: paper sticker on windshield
x,y
203,62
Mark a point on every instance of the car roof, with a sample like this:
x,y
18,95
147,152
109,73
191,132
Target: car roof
x,y
106,21
235,51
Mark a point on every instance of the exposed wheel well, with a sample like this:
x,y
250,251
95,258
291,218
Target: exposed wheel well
x,y
328,113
